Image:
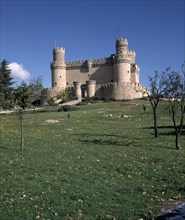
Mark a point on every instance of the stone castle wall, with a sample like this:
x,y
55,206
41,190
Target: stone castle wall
x,y
115,77
101,74
120,91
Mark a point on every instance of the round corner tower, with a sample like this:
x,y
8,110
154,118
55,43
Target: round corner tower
x,y
122,62
58,69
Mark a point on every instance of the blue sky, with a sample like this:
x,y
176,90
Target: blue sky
x,y
88,29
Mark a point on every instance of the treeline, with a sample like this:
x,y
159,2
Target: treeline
x,y
23,96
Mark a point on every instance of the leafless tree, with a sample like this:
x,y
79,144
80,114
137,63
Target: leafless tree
x,y
174,91
156,88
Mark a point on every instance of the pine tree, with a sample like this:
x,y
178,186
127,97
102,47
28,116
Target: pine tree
x,y
6,89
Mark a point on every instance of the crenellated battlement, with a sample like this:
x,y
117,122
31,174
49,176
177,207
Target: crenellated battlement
x,y
59,49
89,63
100,60
94,61
132,53
75,62
114,84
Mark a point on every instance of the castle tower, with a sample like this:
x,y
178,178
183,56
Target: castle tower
x,y
78,91
91,87
58,69
122,62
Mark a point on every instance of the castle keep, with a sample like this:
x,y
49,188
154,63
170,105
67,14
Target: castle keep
x,y
115,77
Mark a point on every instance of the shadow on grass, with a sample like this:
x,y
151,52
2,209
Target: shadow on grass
x,y
160,127
105,142
120,141
8,148
171,133
166,133
98,135
38,111
97,139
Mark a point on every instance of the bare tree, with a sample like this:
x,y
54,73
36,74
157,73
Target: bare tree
x,y
156,89
174,91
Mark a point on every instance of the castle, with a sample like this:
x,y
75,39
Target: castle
x,y
115,77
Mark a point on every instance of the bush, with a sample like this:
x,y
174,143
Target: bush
x,y
67,108
82,103
63,96
107,100
96,98
144,98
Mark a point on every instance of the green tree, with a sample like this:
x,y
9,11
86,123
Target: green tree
x,y
174,91
156,89
62,96
6,89
37,87
23,99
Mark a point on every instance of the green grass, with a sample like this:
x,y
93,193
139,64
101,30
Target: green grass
x,y
103,167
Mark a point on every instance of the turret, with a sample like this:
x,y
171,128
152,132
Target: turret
x,y
58,69
77,88
91,87
122,62
122,47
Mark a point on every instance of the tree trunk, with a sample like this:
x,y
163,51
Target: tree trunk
x,y
177,130
22,131
177,140
155,122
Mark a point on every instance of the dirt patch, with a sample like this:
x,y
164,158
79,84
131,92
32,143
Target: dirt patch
x,y
52,121
6,112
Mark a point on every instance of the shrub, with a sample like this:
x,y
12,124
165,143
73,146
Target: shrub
x,y
82,103
67,108
51,102
96,98
63,96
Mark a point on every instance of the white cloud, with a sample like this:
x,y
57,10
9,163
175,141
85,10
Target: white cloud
x,y
18,71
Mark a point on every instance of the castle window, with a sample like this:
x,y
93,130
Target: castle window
x,y
128,71
60,77
55,83
67,83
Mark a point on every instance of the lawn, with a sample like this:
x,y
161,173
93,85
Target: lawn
x,y
102,164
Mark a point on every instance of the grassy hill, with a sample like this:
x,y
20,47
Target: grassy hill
x,y
102,164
